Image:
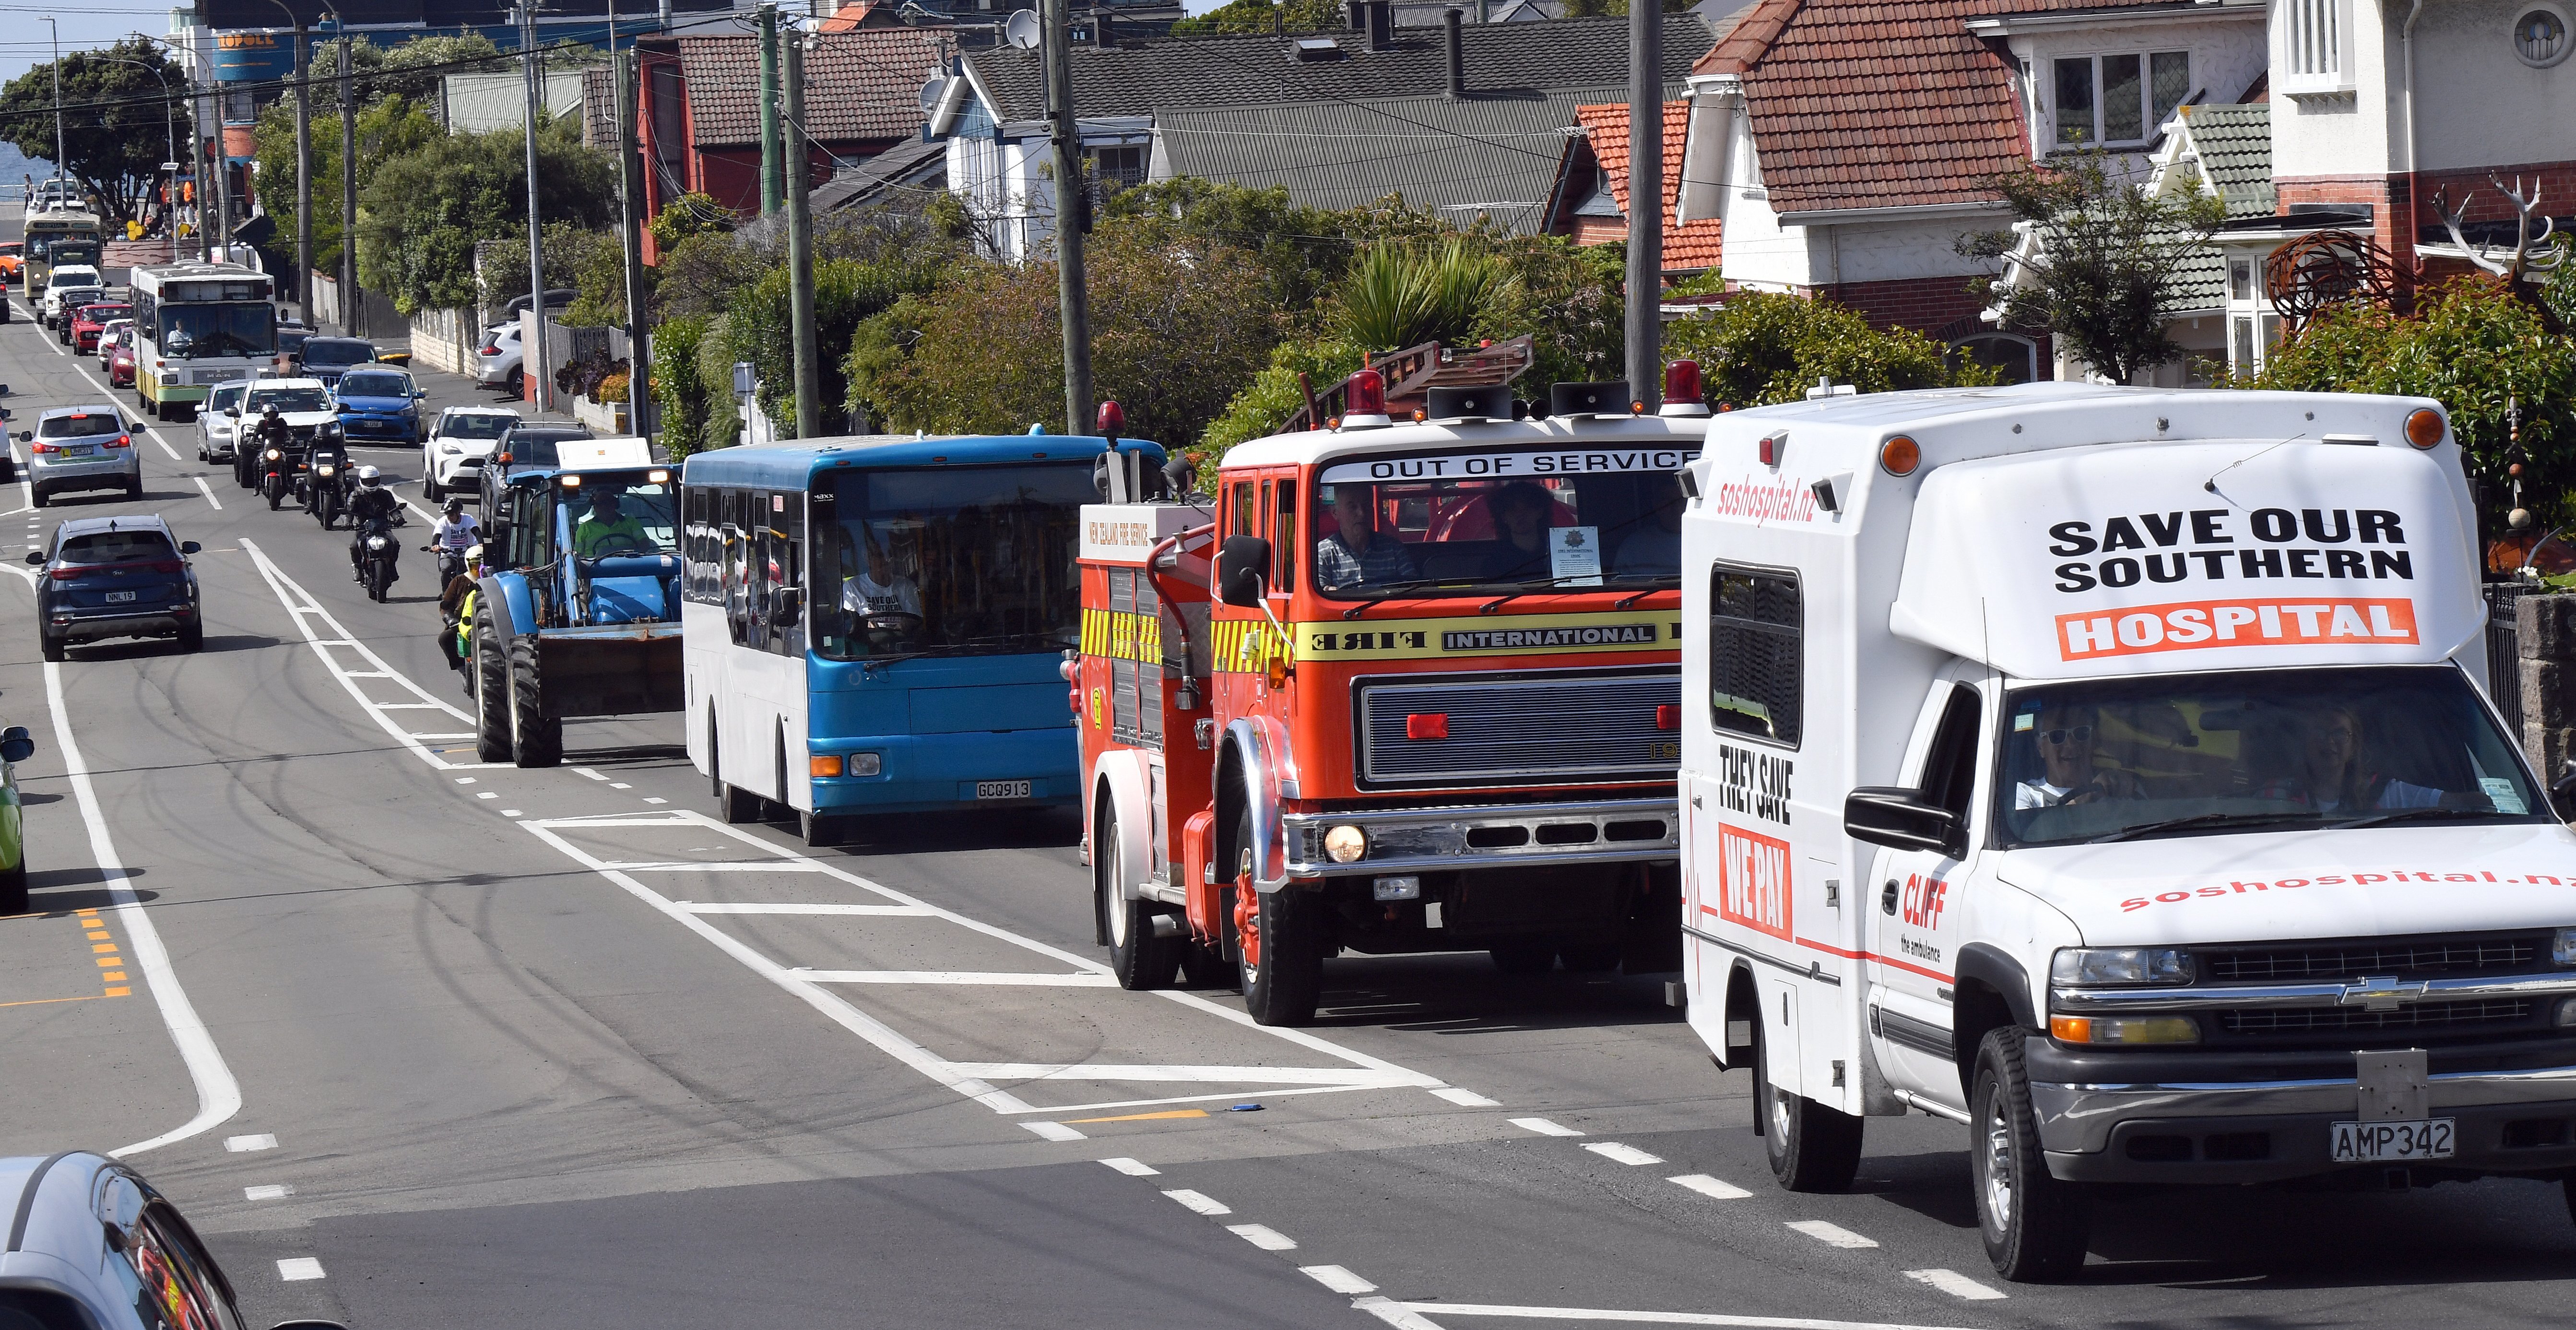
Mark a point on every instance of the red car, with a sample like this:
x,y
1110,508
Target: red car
x,y
91,320
120,364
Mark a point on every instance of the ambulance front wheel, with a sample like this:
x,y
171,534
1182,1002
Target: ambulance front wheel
x,y
1282,943
2034,1226
1811,1147
1138,957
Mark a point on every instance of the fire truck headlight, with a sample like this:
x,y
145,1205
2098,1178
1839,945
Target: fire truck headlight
x,y
1345,844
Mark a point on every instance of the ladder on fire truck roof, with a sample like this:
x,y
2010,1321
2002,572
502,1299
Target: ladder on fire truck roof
x,y
1413,372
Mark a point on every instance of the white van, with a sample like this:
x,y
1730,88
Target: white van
x,y
2111,771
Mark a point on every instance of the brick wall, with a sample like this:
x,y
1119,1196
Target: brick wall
x,y
1925,304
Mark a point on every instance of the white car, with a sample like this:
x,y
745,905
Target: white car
x,y
458,446
71,282
220,422
500,357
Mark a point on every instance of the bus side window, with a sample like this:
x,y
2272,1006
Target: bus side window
x,y
1283,537
787,536
730,556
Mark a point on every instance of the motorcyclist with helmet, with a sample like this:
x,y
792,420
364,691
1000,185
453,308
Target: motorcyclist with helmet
x,y
456,532
373,511
271,431
456,607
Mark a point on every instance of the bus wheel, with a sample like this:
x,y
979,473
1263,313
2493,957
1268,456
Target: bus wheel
x,y
491,692
1283,954
1139,958
819,830
734,806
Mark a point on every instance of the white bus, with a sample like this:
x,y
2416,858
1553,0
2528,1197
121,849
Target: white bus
x,y
56,237
197,325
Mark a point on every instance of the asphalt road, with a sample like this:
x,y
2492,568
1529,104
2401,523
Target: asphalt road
x,y
421,1042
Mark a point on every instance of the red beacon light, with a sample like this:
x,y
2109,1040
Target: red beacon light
x,y
1113,420
1367,401
1683,394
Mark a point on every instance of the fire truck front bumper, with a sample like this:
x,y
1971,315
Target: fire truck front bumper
x,y
1411,840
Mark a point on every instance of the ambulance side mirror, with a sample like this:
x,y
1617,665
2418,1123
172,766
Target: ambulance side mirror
x,y
1901,818
1240,563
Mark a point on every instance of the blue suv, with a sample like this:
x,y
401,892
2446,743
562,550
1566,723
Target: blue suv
x,y
116,577
378,404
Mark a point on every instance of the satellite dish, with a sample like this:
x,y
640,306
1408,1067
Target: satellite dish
x,y
931,91
1021,30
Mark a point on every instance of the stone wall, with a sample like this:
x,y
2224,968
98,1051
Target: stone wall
x,y
2545,638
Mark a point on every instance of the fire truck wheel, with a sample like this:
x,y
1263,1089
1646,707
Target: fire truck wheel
x,y
2034,1226
1140,959
1283,955
1812,1148
1525,957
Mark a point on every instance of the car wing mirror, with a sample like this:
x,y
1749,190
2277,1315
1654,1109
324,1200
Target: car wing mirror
x,y
1239,566
36,557
1901,818
16,745
190,547
26,436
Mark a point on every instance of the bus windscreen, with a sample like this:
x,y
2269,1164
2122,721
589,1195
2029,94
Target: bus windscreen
x,y
950,561
191,332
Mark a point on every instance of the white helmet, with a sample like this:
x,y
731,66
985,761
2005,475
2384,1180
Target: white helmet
x,y
366,475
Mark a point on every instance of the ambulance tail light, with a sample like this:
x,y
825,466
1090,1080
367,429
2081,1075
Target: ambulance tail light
x,y
1899,456
1365,402
1668,716
2425,427
1427,725
2124,1029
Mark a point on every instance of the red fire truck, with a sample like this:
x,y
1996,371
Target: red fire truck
x,y
1398,687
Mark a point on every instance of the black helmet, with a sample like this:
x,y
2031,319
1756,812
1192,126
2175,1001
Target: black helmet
x,y
455,505
270,410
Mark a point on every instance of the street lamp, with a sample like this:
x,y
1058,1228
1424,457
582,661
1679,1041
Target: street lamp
x,y
59,152
303,167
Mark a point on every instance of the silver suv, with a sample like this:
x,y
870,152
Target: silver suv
x,y
220,422
82,448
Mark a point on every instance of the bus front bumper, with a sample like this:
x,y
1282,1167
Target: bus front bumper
x,y
919,773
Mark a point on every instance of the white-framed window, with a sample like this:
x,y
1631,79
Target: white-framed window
x,y
2104,100
2315,46
2540,36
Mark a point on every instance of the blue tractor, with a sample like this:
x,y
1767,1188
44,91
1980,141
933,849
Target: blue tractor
x,y
578,611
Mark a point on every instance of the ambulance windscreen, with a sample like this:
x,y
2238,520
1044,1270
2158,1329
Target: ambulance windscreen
x,y
2124,759
1469,524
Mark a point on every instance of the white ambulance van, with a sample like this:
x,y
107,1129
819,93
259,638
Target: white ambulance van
x,y
2110,771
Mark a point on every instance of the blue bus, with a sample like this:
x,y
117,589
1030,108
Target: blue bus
x,y
873,624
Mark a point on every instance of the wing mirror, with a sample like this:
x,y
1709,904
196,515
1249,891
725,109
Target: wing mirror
x,y
16,745
233,411
26,436
787,605
1240,564
36,557
190,547
1903,819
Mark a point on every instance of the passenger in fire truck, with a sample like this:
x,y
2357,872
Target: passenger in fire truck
x,y
1521,512
1655,550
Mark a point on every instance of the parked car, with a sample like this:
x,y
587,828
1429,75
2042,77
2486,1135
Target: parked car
x,y
379,404
81,448
72,284
115,577
13,261
120,364
459,444
90,320
219,424
117,330
498,362
93,1244
327,358
15,747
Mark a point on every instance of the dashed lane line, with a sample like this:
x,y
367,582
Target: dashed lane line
x,y
299,1267
1605,1314
1621,1154
1134,1168
1054,1131
1398,1314
289,593
1710,1187
275,1191
1263,1236
1544,1127
1199,1202
1956,1285
1831,1234
239,1144
1335,1278
208,491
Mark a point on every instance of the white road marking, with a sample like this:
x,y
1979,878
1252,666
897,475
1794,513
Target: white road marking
x,y
619,785
299,1267
209,492
1263,1236
1054,1131
238,1144
511,812
218,1094
719,866
657,801
155,436
588,773
459,734
1337,1279
1955,1284
1544,1127
997,979
1465,1098
1657,1318
288,591
1132,1168
1621,1154
272,1192
1152,1073
733,907
486,794
1831,1234
1200,1202
466,780
1710,1187
1401,1315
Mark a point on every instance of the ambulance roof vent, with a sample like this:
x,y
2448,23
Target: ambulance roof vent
x,y
1610,398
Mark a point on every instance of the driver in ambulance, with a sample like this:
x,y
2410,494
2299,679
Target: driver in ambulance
x,y
2067,774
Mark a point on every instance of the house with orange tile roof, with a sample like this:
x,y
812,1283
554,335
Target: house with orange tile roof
x,y
1590,200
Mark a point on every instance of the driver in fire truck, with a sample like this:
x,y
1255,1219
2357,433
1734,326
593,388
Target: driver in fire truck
x,y
1359,554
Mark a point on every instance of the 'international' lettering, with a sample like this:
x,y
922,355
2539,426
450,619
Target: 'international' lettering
x,y
1506,639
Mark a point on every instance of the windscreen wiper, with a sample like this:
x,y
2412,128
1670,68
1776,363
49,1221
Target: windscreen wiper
x,y
2411,814
2201,820
1533,586
1388,590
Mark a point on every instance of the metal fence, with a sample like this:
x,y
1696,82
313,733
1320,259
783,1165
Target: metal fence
x,y
2504,649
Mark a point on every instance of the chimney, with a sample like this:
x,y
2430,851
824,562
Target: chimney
x,y
1484,12
1381,25
1450,19
1104,29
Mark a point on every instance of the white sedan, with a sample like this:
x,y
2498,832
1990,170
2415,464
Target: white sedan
x,y
458,444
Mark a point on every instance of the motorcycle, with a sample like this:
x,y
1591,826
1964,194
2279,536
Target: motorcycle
x,y
284,466
376,563
327,485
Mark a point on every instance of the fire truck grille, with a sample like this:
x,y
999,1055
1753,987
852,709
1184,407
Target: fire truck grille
x,y
1520,729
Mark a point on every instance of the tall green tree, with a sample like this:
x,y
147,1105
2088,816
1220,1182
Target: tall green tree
x,y
2106,262
116,124
421,211
387,131
1765,347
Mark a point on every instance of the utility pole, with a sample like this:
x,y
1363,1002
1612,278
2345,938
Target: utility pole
x,y
353,304
630,171
303,179
773,180
59,151
536,350
800,249
1072,295
1646,203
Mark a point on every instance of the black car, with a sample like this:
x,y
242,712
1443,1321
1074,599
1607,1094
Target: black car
x,y
533,444
116,577
325,358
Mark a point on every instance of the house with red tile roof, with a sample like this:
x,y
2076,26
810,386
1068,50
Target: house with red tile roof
x,y
698,116
1590,201
1843,146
